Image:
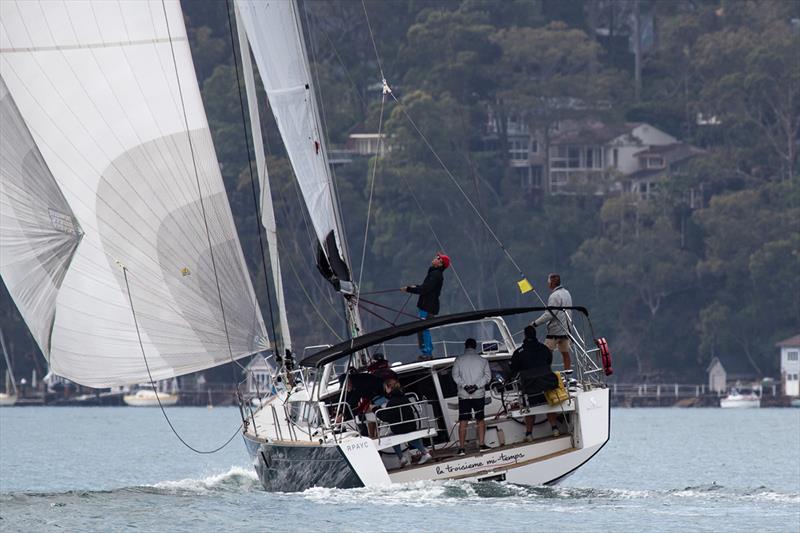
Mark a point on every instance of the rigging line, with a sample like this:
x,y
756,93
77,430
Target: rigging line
x,y
252,180
458,185
381,292
153,383
376,304
344,67
372,38
373,313
436,238
286,252
199,189
408,299
308,297
369,202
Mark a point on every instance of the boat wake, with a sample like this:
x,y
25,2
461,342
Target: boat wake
x,y
240,480
447,493
236,479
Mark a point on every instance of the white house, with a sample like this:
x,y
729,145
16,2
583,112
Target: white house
x,y
622,151
790,365
655,164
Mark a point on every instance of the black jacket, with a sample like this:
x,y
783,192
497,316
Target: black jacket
x,y
532,362
402,413
430,290
365,386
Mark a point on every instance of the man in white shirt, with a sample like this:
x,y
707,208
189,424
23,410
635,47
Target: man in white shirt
x,y
558,322
471,374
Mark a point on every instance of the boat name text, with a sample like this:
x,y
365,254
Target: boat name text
x,y
494,461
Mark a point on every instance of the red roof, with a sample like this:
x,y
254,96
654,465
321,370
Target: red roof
x,y
791,342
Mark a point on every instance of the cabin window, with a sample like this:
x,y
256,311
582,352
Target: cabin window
x,y
792,356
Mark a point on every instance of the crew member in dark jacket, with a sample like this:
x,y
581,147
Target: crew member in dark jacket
x,y
532,362
428,302
401,417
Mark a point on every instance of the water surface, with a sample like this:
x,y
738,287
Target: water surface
x,y
115,469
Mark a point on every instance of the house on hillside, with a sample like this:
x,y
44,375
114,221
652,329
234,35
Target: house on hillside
x,y
656,164
726,372
589,156
790,365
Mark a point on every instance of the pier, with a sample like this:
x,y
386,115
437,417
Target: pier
x,y
680,395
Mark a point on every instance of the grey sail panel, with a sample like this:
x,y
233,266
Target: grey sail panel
x,y
38,231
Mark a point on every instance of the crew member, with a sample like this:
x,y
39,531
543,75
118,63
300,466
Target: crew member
x,y
558,322
471,374
532,362
428,302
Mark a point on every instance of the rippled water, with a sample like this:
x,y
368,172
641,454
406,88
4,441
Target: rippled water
x,y
112,469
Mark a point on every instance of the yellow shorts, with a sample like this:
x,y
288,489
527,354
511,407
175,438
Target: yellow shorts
x,y
562,344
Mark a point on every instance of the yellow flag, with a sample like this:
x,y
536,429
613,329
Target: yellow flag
x,y
524,285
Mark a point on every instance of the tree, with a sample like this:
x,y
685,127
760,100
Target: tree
x,y
548,74
751,80
639,258
750,270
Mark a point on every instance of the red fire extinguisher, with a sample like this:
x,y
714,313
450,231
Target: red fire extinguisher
x,y
605,355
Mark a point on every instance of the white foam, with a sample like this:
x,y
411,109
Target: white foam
x,y
236,476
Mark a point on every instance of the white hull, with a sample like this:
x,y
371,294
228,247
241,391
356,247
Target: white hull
x,y
546,460
148,398
7,400
741,402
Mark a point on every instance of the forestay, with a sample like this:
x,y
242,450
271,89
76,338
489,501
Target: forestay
x,y
109,95
276,39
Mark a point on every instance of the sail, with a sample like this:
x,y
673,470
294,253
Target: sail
x,y
38,231
276,38
267,210
108,93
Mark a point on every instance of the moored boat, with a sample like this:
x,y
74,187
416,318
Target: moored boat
x,y
740,400
146,396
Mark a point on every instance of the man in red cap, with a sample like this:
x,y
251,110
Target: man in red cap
x,y
428,302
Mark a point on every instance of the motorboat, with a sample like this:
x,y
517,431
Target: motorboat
x,y
147,396
740,400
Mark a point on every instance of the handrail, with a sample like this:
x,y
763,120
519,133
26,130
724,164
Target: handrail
x,y
416,406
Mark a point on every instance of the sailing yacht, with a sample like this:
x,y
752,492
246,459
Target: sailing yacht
x,y
7,399
119,249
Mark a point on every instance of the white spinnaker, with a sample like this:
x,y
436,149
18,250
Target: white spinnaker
x,y
276,39
109,94
38,231
267,210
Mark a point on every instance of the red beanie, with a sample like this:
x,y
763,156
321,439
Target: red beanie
x,y
445,260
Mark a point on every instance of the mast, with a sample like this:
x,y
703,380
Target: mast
x,y
267,208
8,363
351,310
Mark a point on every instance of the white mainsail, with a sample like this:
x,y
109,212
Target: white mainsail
x,y
276,38
109,95
267,210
